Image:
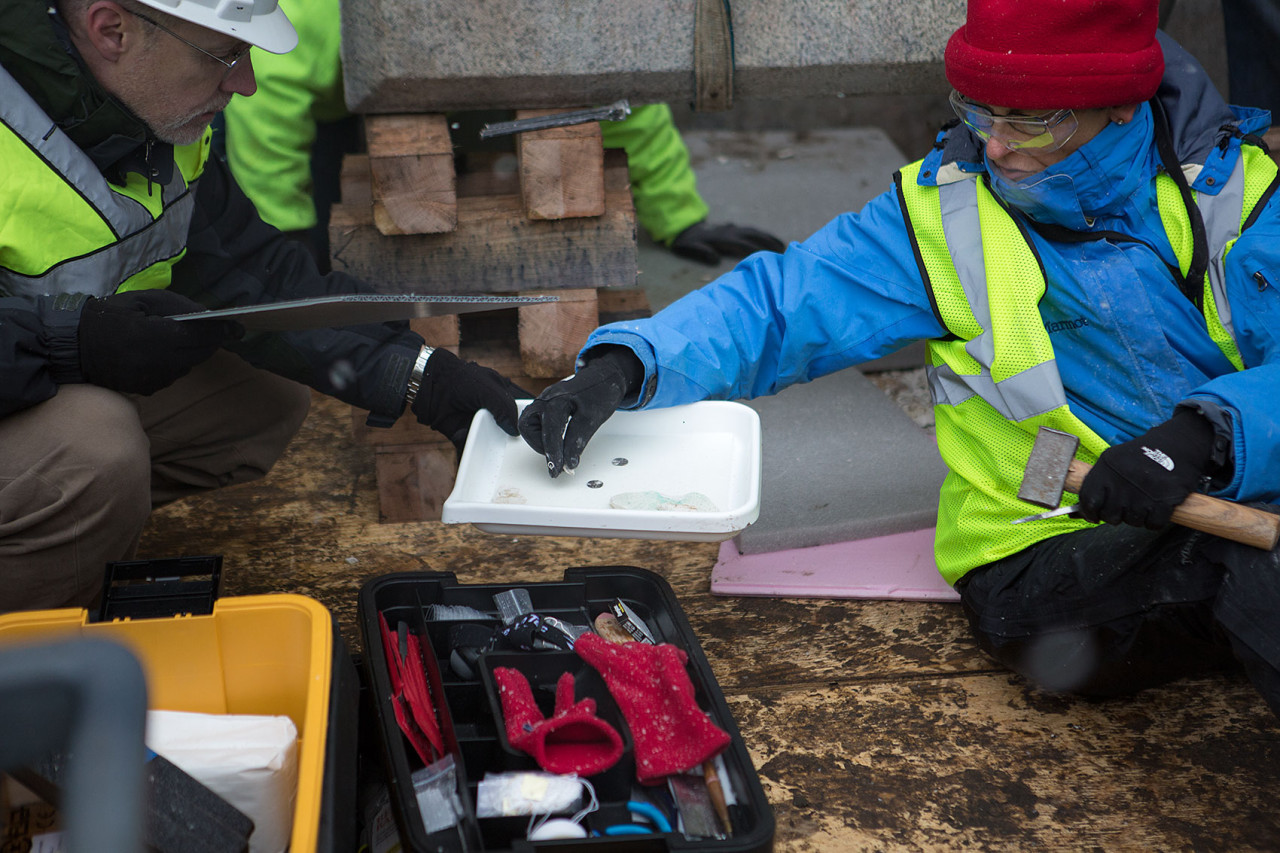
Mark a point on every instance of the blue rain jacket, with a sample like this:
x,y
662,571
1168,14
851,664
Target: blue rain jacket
x,y
1129,345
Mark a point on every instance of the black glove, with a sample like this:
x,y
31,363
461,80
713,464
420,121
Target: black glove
x,y
1141,482
129,344
705,243
564,417
453,390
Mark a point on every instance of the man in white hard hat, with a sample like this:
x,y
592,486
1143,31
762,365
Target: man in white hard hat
x,y
113,217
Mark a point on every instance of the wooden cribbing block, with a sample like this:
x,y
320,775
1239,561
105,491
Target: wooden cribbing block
x,y
355,181
551,334
444,332
561,169
495,248
414,480
411,166
622,303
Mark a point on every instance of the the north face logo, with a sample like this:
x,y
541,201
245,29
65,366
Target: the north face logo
x,y
1159,457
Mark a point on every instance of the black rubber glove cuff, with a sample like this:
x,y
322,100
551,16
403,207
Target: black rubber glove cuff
x,y
62,338
626,365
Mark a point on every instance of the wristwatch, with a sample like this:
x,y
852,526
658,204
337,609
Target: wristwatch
x,y
415,375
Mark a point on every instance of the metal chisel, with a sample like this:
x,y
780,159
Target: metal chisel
x,y
616,111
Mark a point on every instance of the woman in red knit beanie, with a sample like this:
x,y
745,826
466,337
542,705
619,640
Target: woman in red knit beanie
x,y
1041,80
1094,248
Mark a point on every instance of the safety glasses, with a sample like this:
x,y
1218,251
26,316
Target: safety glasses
x,y
1043,132
228,61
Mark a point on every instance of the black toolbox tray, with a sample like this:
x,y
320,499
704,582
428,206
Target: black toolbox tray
x,y
472,729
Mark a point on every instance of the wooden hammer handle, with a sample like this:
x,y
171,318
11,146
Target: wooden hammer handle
x,y
1229,520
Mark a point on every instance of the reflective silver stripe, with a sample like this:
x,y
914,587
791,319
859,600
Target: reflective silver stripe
x,y
1221,214
946,388
100,273
963,233
1034,391
143,240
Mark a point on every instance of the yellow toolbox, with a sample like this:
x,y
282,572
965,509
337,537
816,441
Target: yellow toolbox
x,y
274,654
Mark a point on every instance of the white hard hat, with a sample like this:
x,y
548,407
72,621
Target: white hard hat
x,y
261,23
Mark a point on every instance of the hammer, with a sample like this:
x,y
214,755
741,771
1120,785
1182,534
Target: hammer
x,y
1052,469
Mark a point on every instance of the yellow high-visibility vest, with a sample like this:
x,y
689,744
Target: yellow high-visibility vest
x,y
995,381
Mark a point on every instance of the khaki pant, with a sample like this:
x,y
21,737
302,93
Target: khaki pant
x,y
81,472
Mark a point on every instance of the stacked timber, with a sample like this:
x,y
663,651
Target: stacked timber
x,y
553,217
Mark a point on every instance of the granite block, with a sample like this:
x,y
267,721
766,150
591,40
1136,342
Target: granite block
x,y
437,55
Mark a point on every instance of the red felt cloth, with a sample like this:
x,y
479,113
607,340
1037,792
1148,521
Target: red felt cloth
x,y
1056,54
653,690
572,740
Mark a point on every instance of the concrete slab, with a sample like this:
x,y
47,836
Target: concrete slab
x,y
435,55
841,462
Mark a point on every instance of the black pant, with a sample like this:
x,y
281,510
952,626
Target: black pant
x,y
1114,609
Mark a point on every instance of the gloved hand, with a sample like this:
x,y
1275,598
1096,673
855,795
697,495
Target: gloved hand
x,y
706,243
1141,482
564,417
453,390
572,740
129,344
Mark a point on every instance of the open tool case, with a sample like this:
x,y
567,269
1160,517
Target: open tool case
x,y
470,714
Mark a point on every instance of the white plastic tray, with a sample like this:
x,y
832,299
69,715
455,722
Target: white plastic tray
x,y
710,449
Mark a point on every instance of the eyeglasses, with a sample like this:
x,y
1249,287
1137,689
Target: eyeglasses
x,y
229,60
1043,132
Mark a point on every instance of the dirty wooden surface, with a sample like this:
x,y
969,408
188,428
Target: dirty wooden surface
x,y
874,725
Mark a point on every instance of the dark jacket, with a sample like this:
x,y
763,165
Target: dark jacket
x,y
232,257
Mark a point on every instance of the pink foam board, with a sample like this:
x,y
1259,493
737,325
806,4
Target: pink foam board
x,y
897,566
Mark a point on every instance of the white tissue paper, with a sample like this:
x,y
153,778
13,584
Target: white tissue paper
x,y
249,761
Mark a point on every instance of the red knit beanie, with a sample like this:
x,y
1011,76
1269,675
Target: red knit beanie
x,y
1056,54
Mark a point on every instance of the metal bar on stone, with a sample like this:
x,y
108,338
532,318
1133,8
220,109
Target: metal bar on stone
x,y
616,111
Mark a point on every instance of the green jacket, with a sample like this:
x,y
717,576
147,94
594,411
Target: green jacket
x,y
662,183
269,135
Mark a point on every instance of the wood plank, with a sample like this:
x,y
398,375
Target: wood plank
x,y
622,303
411,166
355,180
561,169
414,480
444,331
552,334
495,247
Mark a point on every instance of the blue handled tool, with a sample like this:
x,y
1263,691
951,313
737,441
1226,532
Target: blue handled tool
x,y
646,810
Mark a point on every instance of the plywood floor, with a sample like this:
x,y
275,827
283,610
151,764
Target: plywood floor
x,y
874,725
